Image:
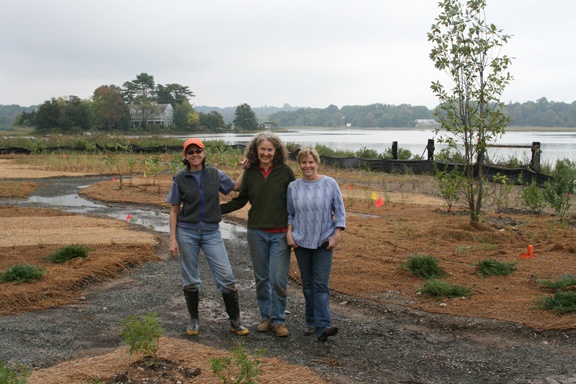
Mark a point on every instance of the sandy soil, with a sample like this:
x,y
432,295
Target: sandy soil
x,y
368,264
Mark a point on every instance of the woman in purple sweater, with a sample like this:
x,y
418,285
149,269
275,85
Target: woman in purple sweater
x,y
316,218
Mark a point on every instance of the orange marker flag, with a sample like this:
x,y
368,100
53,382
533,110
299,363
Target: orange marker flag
x,y
122,201
113,179
379,202
127,217
349,186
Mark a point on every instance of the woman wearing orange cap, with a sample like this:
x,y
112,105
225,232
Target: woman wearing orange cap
x,y
194,217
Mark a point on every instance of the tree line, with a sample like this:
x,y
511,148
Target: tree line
x,y
130,108
108,110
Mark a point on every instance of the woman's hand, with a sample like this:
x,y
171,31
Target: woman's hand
x,y
174,250
290,240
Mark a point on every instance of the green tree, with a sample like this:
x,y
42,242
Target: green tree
x,y
212,121
245,119
76,115
471,114
184,116
110,112
48,116
141,95
174,94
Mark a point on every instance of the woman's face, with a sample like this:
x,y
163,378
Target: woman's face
x,y
266,153
195,155
309,167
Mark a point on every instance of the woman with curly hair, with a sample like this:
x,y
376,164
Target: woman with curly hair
x,y
264,185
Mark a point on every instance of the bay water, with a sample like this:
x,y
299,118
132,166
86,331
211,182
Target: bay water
x,y
554,144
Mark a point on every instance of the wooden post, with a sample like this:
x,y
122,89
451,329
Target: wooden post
x,y
395,150
535,162
430,148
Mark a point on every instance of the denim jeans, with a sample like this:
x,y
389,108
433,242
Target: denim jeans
x,y
315,265
190,242
270,256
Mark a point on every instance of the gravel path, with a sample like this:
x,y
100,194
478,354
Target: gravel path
x,y
377,343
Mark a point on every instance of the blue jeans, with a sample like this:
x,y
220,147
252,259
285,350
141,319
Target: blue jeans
x,y
270,256
190,242
315,265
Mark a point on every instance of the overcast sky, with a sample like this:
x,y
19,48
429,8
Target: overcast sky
x,y
307,53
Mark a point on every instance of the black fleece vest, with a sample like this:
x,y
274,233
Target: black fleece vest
x,y
200,202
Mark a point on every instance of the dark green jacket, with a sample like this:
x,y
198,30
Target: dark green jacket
x,y
267,197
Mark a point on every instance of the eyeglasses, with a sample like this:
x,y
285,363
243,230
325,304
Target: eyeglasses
x,y
194,152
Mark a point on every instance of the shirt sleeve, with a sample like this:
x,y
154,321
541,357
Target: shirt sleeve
x,y
226,183
338,206
174,196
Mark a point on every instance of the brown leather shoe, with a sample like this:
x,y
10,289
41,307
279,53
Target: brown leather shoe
x,y
264,326
281,330
309,331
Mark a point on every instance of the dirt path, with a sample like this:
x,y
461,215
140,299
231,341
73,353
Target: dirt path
x,y
386,336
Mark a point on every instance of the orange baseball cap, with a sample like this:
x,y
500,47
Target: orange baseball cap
x,y
194,141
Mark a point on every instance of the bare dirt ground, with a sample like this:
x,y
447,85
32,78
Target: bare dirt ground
x,y
368,282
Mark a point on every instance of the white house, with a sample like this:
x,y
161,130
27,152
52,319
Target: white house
x,y
158,114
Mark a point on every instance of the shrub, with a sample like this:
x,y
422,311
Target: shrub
x,y
18,375
143,335
561,302
495,268
238,369
424,266
564,282
439,288
450,185
22,273
68,252
558,193
533,197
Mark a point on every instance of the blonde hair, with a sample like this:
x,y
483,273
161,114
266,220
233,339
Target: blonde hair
x,y
308,151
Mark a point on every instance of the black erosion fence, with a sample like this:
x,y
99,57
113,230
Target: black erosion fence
x,y
517,175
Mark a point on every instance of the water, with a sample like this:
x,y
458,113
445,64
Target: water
x,y
554,144
70,201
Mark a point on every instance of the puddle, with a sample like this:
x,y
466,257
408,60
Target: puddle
x,y
64,201
72,202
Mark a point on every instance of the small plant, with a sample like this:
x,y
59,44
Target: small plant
x,y
142,335
17,375
68,252
424,266
439,288
450,185
22,273
238,369
558,193
501,191
495,268
564,282
561,302
533,197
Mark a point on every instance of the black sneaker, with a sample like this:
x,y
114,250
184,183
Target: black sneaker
x,y
330,331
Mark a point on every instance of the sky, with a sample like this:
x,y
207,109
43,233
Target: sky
x,y
305,53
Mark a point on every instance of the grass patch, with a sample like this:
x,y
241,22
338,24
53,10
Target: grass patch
x,y
13,375
493,267
439,288
68,252
22,273
424,266
564,282
561,302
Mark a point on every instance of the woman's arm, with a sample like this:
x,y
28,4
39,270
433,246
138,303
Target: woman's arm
x,y
174,250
